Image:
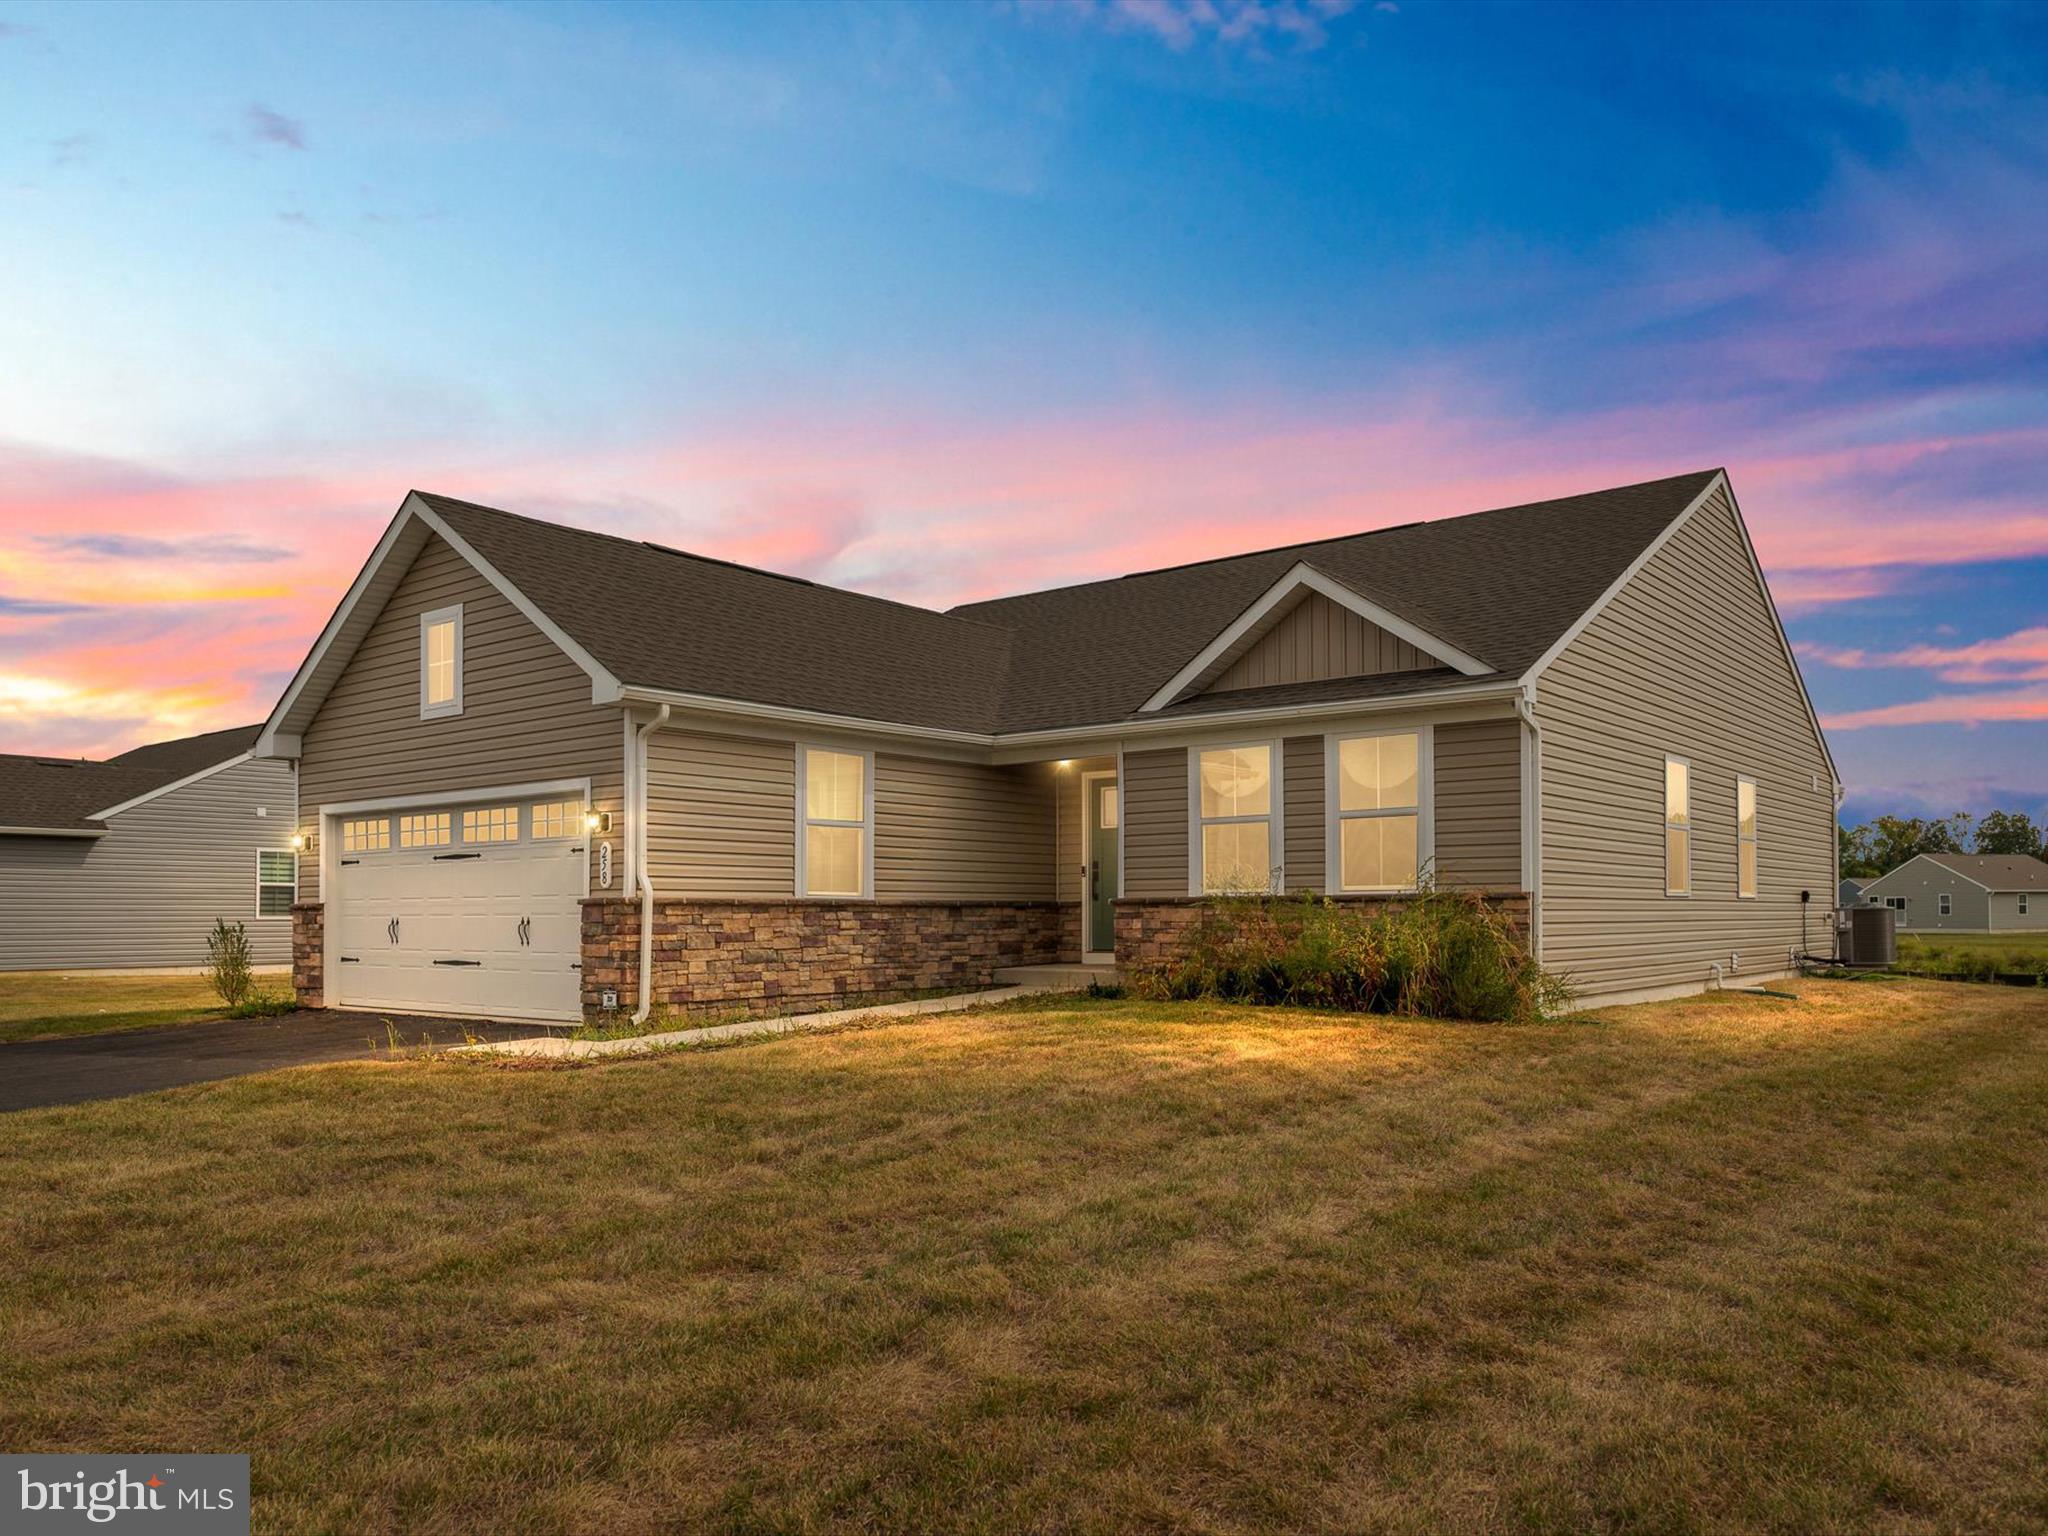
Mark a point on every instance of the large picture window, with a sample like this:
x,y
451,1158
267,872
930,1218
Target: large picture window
x,y
1233,796
1677,827
834,840
1377,793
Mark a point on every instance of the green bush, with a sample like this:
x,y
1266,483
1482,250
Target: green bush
x,y
1439,954
227,961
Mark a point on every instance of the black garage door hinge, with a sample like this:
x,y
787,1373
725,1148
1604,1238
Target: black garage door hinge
x,y
349,960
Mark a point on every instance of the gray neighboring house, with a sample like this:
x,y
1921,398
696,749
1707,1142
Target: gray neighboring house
x,y
1849,893
125,864
1965,893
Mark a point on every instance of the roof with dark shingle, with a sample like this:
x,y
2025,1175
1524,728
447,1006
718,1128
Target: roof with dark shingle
x,y
1502,586
1999,872
62,794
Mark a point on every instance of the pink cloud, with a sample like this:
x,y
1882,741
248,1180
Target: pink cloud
x,y
2018,657
2018,704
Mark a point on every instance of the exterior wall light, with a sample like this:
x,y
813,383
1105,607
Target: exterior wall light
x,y
302,842
597,821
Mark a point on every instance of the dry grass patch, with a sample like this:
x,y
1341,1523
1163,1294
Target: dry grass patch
x,y
1729,1264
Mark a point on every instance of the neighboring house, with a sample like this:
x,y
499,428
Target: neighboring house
x,y
1849,893
535,760
125,864
1966,893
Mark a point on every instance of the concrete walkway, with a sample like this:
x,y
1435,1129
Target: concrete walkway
x,y
748,1029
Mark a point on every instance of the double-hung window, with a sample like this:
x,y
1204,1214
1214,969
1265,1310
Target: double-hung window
x,y
1233,797
835,812
441,662
277,882
1745,837
1677,827
2023,903
1379,840
1943,906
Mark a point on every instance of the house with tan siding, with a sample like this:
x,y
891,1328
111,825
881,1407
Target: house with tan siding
x,y
125,864
548,773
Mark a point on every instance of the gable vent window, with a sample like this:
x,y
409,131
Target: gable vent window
x,y
431,830
492,824
1233,801
1745,837
835,806
1379,842
1677,827
366,836
277,882
441,662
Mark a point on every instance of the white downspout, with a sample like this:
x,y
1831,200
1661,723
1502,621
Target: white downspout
x,y
639,840
1532,835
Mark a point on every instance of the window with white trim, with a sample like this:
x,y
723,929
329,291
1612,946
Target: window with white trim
x,y
441,662
2023,903
1745,837
371,836
1677,827
277,882
428,829
1233,795
1943,906
835,813
558,818
491,824
1378,809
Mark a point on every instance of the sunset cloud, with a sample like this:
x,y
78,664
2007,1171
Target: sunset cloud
x,y
2020,657
2018,704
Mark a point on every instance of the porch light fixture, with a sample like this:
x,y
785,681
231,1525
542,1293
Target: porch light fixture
x,y
597,821
301,841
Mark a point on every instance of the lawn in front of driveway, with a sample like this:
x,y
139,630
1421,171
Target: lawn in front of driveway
x,y
1722,1264
39,1004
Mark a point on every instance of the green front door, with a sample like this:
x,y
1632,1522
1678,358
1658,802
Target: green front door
x,y
1103,813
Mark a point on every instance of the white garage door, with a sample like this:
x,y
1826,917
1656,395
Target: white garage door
x,y
465,909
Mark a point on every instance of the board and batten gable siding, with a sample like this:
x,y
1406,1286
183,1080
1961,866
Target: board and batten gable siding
x,y
1156,822
526,711
145,893
721,815
1319,639
1478,804
1303,833
954,831
1685,661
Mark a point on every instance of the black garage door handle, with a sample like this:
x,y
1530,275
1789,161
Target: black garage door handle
x,y
440,856
458,962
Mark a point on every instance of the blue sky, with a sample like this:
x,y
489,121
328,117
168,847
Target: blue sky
x,y
941,301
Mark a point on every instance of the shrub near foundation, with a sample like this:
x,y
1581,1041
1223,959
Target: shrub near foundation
x,y
1442,954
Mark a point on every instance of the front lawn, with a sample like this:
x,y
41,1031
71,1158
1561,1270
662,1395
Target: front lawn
x,y
1725,1264
40,1003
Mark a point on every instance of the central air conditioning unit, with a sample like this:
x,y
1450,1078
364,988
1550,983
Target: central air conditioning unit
x,y
1866,938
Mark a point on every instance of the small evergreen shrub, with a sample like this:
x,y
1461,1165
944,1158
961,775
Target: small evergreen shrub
x,y
227,961
1439,954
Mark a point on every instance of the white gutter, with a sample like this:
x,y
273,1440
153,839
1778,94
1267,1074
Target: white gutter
x,y
1532,835
638,812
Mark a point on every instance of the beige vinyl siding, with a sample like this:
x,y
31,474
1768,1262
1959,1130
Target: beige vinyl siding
x,y
526,711
1319,639
145,894
1156,822
1304,827
949,831
721,815
1478,800
1686,660
1072,825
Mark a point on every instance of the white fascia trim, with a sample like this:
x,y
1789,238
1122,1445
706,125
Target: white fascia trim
x,y
174,785
52,832
1650,552
459,797
270,742
1305,575
604,688
813,718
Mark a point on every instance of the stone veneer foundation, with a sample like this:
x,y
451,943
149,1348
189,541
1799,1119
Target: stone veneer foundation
x,y
309,954
1151,928
777,955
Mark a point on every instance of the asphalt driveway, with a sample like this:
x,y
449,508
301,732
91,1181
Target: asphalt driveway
x,y
35,1073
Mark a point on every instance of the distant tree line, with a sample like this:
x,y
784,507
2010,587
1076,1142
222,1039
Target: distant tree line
x,y
1882,845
